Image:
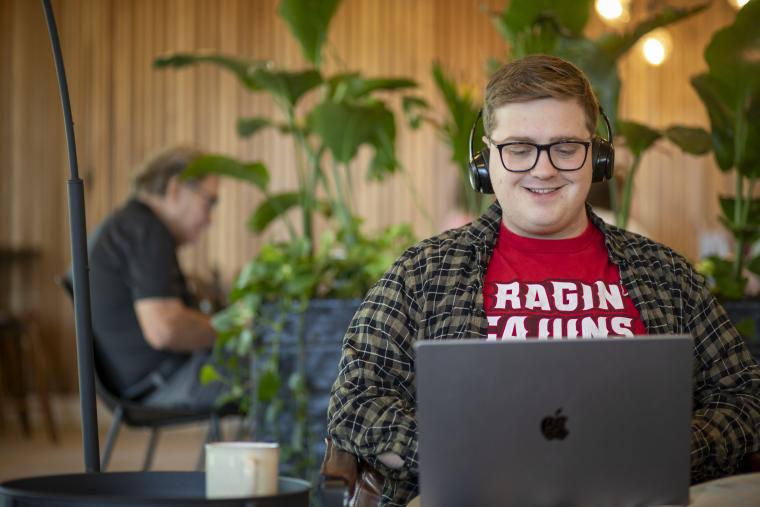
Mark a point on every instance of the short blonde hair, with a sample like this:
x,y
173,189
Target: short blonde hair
x,y
539,77
154,175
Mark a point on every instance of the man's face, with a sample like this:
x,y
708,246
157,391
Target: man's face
x,y
191,207
543,202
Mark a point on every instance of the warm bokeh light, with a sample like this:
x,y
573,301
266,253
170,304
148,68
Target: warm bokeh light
x,y
738,4
656,46
609,9
613,12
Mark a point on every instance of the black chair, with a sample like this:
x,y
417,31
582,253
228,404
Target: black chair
x,y
134,414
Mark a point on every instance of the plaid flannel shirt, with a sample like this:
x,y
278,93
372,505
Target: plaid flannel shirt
x,y
435,291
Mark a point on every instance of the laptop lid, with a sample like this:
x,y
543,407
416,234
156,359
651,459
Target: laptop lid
x,y
594,422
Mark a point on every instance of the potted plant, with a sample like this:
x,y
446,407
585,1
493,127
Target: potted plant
x,y
730,92
292,303
556,28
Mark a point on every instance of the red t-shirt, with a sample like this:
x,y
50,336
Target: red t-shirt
x,y
562,288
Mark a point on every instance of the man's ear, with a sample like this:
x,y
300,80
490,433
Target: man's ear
x,y
486,141
172,187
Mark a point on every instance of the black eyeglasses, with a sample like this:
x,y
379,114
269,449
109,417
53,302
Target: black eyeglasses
x,y
208,200
522,156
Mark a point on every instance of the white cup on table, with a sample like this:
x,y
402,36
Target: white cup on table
x,y
241,469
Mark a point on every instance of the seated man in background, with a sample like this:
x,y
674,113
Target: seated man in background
x,y
538,263
151,340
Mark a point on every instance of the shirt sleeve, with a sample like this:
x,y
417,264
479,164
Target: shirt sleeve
x,y
726,414
372,407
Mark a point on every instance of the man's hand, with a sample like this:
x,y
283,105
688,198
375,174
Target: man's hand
x,y
168,324
391,460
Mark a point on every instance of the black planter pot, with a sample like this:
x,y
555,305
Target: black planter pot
x,y
325,322
137,488
746,309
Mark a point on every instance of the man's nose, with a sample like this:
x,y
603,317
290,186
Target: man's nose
x,y
544,167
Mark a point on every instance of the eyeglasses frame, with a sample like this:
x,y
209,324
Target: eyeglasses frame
x,y
540,148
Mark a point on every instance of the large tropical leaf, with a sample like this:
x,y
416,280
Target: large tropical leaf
x,y
639,138
383,141
692,140
344,127
732,54
243,69
599,58
571,14
732,57
749,231
287,86
721,116
272,208
351,85
309,21
252,172
246,127
413,108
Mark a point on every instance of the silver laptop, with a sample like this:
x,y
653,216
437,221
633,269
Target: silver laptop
x,y
595,422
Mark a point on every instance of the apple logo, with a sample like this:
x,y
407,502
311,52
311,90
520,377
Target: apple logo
x,y
553,427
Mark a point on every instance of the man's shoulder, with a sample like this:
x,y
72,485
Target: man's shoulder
x,y
131,232
134,221
643,252
454,246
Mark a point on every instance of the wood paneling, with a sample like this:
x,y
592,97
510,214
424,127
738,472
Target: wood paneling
x,y
124,110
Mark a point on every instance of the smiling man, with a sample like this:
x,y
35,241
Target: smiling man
x,y
539,264
151,339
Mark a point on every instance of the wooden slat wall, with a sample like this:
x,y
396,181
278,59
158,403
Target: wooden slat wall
x,y
124,110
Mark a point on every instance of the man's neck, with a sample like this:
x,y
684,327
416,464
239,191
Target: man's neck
x,y
158,206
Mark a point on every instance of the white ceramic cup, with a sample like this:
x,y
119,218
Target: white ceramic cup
x,y
241,469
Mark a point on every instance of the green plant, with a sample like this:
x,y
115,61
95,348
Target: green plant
x,y
343,114
556,28
462,108
730,92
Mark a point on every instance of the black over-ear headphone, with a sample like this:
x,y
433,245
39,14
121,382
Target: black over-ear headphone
x,y
602,159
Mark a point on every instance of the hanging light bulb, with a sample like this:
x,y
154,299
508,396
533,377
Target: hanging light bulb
x,y
613,11
656,46
738,4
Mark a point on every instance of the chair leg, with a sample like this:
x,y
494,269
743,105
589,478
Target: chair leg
x,y
15,377
150,451
113,432
40,362
212,435
2,401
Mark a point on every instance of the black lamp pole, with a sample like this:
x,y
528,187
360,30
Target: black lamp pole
x,y
81,279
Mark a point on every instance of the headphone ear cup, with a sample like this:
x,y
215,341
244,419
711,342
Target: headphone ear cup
x,y
602,159
480,179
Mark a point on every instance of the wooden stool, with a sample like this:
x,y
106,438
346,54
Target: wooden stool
x,y
20,349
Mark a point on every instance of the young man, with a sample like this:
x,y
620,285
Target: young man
x,y
538,263
151,340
